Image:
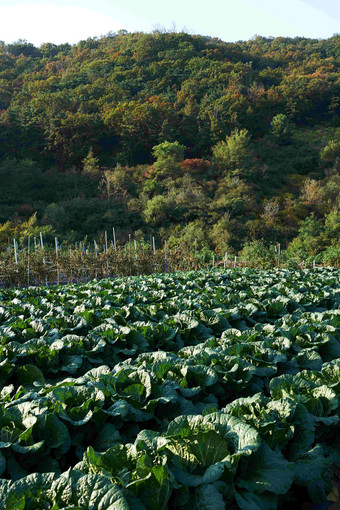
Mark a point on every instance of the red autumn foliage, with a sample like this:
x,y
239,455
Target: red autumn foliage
x,y
150,172
195,166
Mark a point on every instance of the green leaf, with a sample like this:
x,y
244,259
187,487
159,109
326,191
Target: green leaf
x,y
2,463
314,470
107,437
27,375
151,442
30,489
304,432
53,431
155,489
250,501
266,470
185,478
207,497
200,442
117,461
15,470
95,491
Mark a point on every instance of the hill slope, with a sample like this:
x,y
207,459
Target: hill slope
x,y
251,132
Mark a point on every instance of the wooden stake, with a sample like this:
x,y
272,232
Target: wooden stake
x,y
114,239
42,247
15,251
56,252
107,255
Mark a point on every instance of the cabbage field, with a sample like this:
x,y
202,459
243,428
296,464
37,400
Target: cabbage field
x,y
200,390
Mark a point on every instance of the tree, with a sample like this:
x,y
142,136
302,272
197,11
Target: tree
x,y
22,47
331,153
333,105
115,182
90,165
155,212
281,129
233,195
312,193
139,124
192,235
168,155
221,234
259,254
106,185
271,210
308,242
232,154
331,235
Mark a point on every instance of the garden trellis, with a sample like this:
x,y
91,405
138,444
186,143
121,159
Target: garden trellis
x,y
80,262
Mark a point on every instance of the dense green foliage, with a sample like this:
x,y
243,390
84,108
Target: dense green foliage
x,y
191,390
187,136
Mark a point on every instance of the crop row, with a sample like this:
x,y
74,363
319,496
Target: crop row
x,y
175,391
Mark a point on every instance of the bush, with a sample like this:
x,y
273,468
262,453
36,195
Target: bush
x,y
257,254
188,235
331,255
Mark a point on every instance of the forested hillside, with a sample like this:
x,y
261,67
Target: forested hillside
x,y
236,145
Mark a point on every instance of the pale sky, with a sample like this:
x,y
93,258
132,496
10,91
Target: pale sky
x,y
59,21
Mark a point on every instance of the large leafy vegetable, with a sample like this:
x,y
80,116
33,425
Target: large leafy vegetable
x,y
195,390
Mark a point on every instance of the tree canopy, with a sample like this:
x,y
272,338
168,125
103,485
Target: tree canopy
x,y
173,133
